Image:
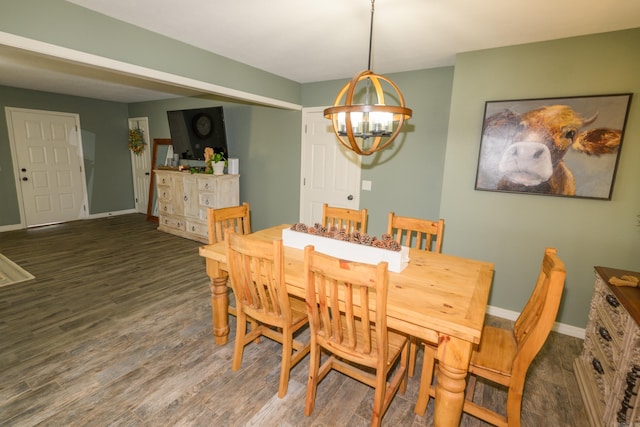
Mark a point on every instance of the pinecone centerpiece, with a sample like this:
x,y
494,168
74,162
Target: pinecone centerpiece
x,y
385,242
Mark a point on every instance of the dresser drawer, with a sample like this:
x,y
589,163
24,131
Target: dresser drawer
x,y
208,200
165,207
176,223
206,184
611,309
195,227
165,193
164,179
599,369
610,343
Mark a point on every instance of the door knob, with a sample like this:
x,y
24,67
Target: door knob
x,y
25,178
349,197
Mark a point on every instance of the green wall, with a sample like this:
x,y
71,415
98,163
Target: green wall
x,y
107,160
431,171
512,230
407,177
65,24
267,142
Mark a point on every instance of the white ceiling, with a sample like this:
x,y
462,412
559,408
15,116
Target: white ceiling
x,y
308,41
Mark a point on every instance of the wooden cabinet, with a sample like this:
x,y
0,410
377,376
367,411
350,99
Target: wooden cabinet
x,y
183,200
608,370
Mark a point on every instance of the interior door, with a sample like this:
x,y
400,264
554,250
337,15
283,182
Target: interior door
x,y
47,153
141,166
330,173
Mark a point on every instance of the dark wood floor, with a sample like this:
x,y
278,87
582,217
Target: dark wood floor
x,y
116,330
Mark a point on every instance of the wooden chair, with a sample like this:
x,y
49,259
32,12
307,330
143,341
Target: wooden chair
x,y
237,218
416,233
420,234
504,356
347,330
256,271
344,218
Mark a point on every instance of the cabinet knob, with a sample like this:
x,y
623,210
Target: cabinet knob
x,y
622,416
604,333
613,302
597,366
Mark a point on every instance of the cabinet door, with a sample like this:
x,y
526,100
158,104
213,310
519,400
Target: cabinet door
x,y
190,196
227,193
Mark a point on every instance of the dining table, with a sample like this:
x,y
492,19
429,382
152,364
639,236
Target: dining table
x,y
439,298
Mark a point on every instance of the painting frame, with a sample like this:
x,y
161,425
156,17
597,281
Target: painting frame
x,y
558,146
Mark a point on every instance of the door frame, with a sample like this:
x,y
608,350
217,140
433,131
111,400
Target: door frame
x,y
14,158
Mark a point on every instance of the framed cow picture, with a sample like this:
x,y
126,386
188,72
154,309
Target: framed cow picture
x,y
553,146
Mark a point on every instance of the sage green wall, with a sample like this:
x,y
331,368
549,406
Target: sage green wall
x,y
267,142
512,230
432,174
65,24
107,160
407,177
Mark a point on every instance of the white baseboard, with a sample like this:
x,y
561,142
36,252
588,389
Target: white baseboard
x,y
13,227
107,214
561,328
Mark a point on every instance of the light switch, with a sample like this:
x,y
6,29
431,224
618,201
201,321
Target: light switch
x,y
366,185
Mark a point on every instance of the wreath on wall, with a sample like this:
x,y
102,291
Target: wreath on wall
x,y
136,141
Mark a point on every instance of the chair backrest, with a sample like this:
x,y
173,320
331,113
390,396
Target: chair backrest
x,y
237,218
416,233
256,271
348,219
338,294
539,314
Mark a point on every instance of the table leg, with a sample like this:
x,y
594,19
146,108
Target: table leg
x,y
219,302
453,363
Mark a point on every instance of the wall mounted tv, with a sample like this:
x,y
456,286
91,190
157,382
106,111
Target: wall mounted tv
x,y
194,130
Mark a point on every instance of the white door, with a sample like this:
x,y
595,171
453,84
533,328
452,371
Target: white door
x,y
141,166
47,154
330,173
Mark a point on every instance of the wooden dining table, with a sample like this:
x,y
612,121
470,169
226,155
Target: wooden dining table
x,y
439,298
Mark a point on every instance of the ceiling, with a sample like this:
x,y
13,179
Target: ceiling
x,y
309,41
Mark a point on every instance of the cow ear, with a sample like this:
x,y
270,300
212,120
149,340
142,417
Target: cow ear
x,y
596,142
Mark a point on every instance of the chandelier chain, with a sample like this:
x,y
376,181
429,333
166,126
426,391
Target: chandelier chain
x,y
371,33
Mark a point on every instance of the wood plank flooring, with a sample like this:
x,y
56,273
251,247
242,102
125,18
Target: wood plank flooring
x,y
116,330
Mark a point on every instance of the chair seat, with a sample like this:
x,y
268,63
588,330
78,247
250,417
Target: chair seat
x,y
298,310
495,353
395,343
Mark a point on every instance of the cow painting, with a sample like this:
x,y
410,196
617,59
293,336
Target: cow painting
x,y
551,148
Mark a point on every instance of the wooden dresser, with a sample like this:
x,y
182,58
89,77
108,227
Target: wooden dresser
x,y
183,200
608,370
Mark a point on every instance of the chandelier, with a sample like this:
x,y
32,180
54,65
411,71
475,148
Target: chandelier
x,y
373,125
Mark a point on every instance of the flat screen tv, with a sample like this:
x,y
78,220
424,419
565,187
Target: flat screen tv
x,y
194,130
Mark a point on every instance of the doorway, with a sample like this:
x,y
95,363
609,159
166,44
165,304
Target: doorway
x,y
46,149
141,166
329,172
